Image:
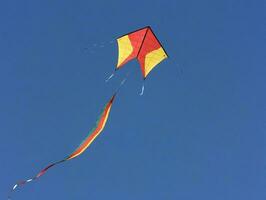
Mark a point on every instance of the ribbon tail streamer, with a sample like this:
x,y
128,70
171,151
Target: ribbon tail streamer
x,y
111,76
100,124
142,90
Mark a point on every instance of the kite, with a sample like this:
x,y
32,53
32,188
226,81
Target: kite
x,y
143,45
100,124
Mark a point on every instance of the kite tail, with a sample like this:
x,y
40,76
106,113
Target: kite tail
x,y
23,182
100,124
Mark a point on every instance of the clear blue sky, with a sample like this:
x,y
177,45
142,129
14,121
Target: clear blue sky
x,y
197,133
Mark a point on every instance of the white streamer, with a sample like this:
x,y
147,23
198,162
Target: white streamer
x,y
15,186
109,77
142,90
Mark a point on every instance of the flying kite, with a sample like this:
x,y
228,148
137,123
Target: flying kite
x,y
143,45
100,124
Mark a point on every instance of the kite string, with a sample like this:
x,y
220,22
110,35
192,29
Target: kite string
x,y
122,83
92,47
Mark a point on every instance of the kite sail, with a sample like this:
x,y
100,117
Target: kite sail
x,y
143,45
100,124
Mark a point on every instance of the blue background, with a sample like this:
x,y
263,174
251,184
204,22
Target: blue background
x,y
197,133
